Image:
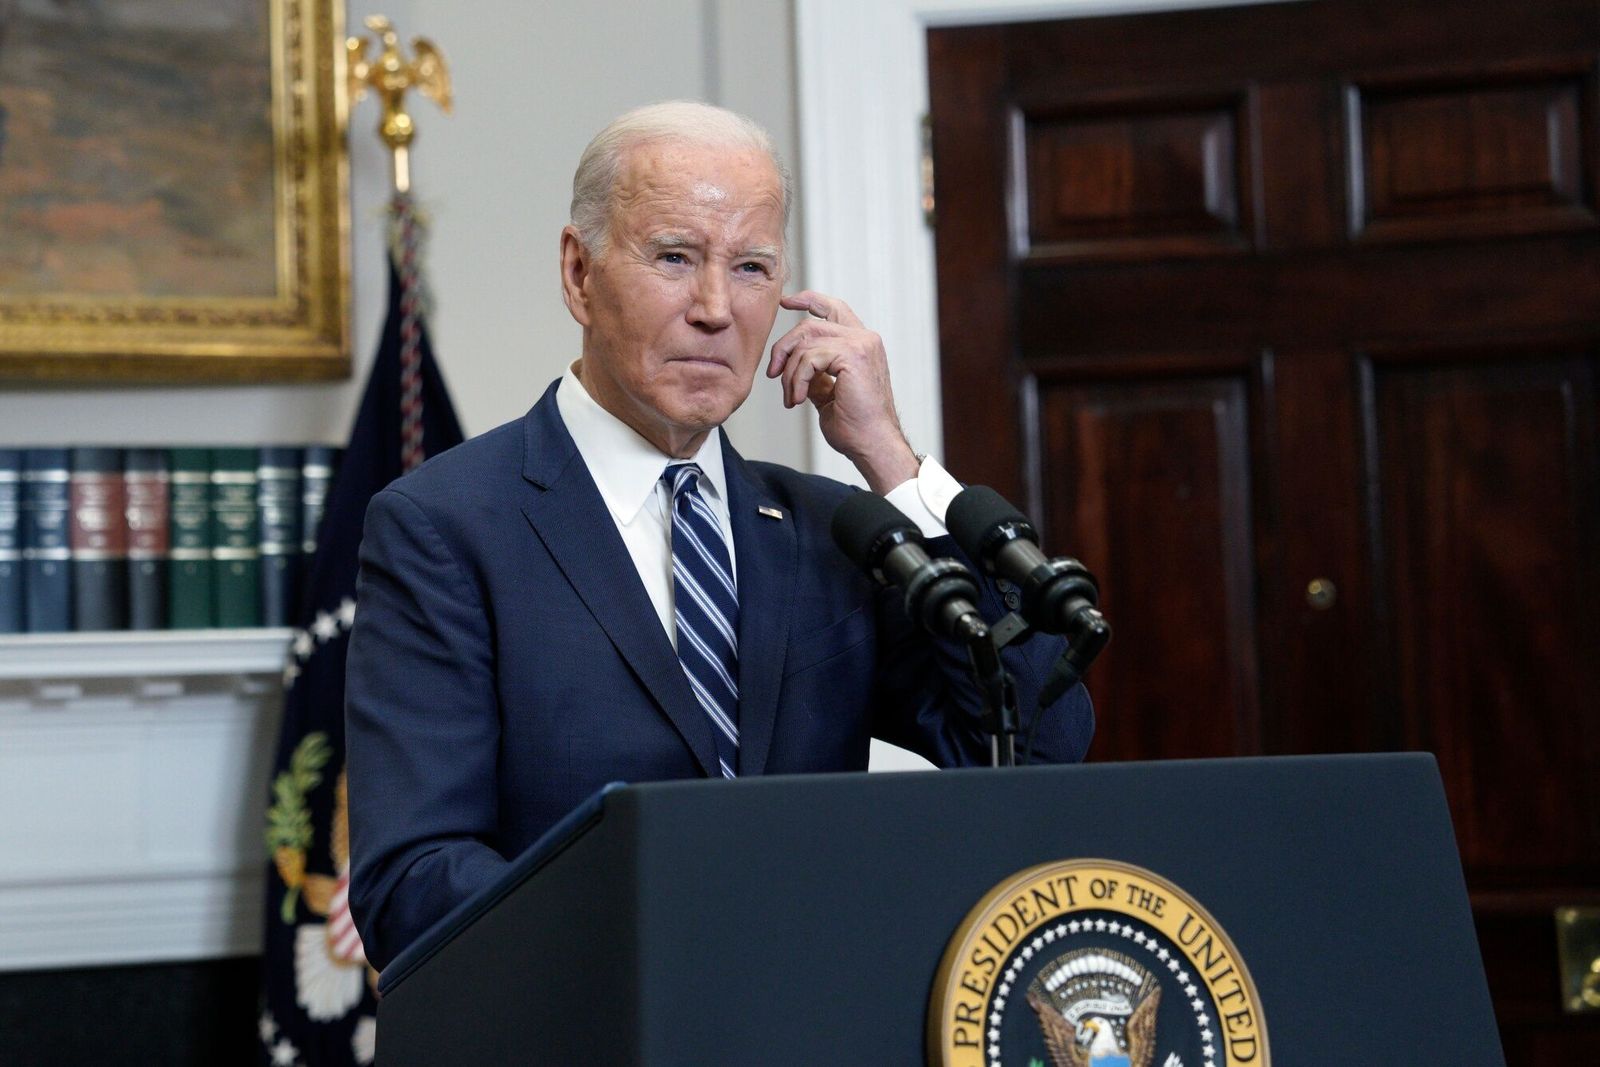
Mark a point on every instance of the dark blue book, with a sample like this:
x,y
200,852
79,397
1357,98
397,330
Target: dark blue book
x,y
11,610
278,500
46,553
98,537
319,464
316,475
146,470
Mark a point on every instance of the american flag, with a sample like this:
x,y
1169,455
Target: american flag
x,y
318,1004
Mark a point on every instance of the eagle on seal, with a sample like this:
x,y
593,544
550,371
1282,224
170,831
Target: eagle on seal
x,y
1094,1042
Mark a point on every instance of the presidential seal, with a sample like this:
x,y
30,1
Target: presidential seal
x,y
1093,963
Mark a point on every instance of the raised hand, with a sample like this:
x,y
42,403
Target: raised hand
x,y
839,365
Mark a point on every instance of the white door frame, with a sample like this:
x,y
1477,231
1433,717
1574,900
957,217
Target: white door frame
x,y
861,68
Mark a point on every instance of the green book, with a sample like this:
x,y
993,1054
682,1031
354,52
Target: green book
x,y
190,585
235,536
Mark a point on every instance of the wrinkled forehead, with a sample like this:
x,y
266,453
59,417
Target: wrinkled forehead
x,y
730,177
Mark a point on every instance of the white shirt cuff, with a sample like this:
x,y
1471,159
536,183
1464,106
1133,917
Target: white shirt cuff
x,y
925,498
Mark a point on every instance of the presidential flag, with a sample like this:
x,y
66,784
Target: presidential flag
x,y
318,991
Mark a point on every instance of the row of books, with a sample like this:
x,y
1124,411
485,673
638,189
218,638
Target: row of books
x,y
157,538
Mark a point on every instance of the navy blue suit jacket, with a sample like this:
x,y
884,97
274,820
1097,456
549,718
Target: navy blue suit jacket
x,y
506,662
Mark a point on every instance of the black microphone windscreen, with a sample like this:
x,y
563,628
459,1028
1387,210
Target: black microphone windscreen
x,y
862,521
976,511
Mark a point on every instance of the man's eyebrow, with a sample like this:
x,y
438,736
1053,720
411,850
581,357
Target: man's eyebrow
x,y
660,241
760,252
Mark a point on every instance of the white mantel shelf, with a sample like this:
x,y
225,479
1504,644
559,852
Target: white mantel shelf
x,y
133,787
156,654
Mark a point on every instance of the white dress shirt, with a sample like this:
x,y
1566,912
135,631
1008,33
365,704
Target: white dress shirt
x,y
627,470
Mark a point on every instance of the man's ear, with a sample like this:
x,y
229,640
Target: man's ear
x,y
576,269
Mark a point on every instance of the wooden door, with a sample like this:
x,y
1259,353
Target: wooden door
x,y
1286,320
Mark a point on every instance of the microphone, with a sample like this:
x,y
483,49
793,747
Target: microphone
x,y
941,594
1058,595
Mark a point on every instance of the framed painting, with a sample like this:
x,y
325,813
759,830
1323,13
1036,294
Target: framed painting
x,y
173,191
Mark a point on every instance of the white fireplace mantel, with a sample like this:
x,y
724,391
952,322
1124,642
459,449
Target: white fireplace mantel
x,y
133,790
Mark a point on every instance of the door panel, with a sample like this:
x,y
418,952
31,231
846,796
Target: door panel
x,y
1486,501
1148,456
1134,178
1471,156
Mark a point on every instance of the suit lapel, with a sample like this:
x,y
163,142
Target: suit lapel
x,y
566,511
766,550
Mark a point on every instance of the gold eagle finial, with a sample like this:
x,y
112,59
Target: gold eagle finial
x,y
390,75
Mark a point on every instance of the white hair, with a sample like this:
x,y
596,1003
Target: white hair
x,y
595,181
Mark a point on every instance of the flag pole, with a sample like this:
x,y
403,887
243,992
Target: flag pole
x,y
389,75
319,1006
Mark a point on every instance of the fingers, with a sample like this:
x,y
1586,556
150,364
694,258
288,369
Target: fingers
x,y
809,332
820,390
833,342
810,375
830,315
829,308
838,364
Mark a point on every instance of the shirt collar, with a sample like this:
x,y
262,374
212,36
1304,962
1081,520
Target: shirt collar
x,y
625,467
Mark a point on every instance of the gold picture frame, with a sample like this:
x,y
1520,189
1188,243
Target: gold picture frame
x,y
176,208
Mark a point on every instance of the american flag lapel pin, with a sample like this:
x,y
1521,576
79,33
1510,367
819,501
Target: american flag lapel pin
x,y
771,513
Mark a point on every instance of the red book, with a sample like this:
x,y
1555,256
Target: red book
x,y
97,534
149,537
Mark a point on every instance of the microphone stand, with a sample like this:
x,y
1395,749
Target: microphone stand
x,y
1001,719
1086,638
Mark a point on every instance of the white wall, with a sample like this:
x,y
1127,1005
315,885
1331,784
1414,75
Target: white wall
x,y
533,82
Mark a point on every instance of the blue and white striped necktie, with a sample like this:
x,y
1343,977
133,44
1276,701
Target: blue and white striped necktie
x,y
706,608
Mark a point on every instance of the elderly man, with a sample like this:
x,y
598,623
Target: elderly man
x,y
605,590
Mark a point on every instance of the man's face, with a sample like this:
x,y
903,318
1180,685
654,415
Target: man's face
x,y
676,311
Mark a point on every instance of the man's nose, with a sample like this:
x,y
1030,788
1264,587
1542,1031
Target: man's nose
x,y
713,302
